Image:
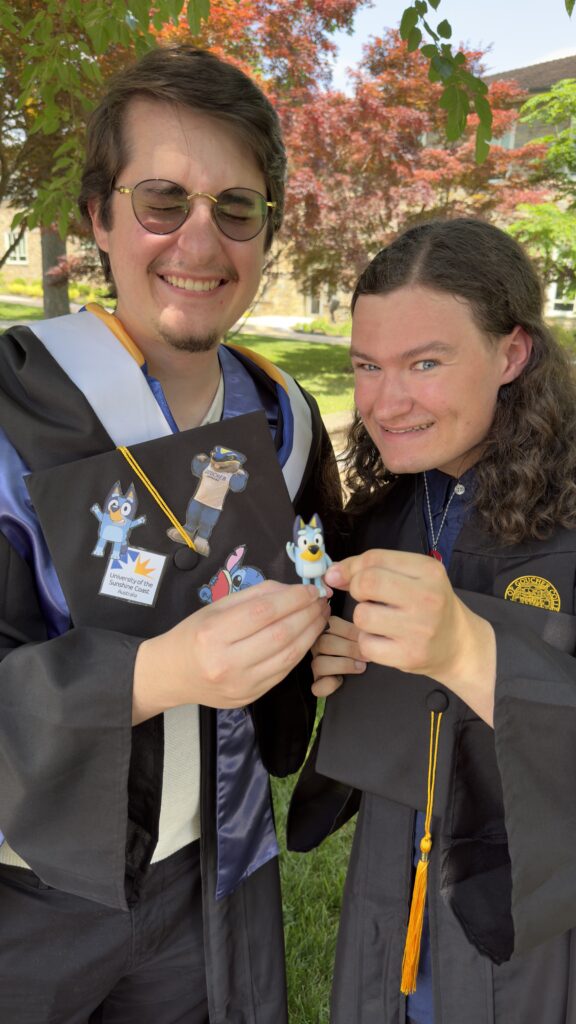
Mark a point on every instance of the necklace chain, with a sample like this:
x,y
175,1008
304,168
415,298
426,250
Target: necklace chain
x,y
457,489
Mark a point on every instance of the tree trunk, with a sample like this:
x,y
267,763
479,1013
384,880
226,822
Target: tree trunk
x,y
55,286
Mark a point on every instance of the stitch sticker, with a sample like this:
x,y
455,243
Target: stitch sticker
x,y
218,473
135,576
116,521
308,553
534,590
233,576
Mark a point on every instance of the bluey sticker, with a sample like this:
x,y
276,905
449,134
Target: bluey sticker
x,y
116,520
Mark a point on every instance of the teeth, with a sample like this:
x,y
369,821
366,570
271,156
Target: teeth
x,y
408,430
192,286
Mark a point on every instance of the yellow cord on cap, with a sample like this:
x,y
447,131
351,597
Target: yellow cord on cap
x,y
156,495
411,960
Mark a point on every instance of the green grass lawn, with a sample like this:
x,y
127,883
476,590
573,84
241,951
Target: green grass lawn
x,y
312,893
323,369
16,311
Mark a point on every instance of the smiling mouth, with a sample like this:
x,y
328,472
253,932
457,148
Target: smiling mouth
x,y
189,285
407,430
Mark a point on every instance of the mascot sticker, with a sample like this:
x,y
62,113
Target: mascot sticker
x,y
132,574
219,474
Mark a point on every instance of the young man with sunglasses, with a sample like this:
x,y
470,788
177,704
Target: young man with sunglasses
x,y
138,877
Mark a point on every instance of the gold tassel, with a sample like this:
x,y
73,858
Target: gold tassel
x,y
156,494
411,959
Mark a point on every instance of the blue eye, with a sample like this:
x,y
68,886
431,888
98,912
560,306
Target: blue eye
x,y
426,364
365,367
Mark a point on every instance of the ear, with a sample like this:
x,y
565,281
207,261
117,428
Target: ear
x,y
517,349
98,230
235,558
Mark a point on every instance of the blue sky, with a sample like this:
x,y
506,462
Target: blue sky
x,y
521,31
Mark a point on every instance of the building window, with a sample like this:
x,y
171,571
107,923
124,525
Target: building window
x,y
560,301
508,139
564,303
19,255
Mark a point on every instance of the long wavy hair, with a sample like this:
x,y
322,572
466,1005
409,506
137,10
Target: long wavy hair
x,y
526,478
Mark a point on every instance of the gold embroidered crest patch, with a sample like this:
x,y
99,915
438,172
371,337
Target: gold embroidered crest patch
x,y
534,590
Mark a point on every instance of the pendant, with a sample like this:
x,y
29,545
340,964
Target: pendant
x,y
434,553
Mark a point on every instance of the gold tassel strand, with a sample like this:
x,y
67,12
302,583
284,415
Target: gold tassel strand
x,y
411,959
155,494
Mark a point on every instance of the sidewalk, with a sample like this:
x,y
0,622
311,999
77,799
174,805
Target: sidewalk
x,y
282,327
274,326
26,300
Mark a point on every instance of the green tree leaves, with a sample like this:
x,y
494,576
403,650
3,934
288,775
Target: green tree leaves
x,y
463,92
51,57
197,11
549,229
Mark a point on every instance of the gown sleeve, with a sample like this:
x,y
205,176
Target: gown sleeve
x,y
535,734
510,835
65,742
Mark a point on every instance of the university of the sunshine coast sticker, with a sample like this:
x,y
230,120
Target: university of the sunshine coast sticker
x,y
132,574
534,590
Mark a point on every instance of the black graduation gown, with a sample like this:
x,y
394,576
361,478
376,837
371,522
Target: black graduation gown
x,y
66,702
502,888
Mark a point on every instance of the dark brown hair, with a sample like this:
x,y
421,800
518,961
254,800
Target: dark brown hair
x,y
191,78
526,479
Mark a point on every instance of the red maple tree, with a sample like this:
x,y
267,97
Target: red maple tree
x,y
364,164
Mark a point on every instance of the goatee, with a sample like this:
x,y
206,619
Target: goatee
x,y
193,342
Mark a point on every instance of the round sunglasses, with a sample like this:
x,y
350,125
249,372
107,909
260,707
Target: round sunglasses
x,y
162,207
